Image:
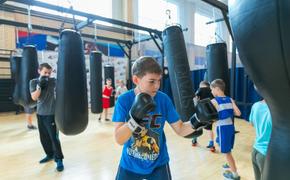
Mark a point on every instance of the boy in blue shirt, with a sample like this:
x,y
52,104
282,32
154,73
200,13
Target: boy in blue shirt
x,y
226,108
140,115
261,119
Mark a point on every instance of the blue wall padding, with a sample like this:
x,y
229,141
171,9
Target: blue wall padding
x,y
39,40
114,51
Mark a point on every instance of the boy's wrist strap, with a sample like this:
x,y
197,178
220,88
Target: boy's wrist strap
x,y
38,87
134,126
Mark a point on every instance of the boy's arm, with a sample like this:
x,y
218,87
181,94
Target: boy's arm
x,y
213,101
205,114
182,128
117,91
237,111
251,115
122,132
35,95
34,90
104,96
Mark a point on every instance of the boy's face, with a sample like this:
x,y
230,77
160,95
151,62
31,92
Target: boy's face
x,y
44,72
215,91
149,83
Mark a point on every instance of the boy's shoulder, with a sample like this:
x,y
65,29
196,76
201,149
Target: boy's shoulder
x,y
162,98
126,95
258,104
130,94
223,99
162,95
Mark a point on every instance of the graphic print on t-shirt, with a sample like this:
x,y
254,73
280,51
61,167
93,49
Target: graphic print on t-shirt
x,y
146,147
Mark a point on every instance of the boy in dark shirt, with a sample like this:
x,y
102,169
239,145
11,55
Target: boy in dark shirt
x,y
42,90
204,92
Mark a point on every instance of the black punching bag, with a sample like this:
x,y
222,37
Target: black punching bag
x,y
15,63
28,71
110,73
205,76
179,72
217,64
96,81
71,112
261,33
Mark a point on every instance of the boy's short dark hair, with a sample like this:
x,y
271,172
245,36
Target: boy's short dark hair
x,y
205,83
108,79
145,64
219,83
44,65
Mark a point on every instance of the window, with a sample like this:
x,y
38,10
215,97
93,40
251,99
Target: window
x,y
97,7
231,45
154,13
204,34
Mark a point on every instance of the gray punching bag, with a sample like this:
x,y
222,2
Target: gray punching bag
x,y
15,63
28,71
179,72
96,81
261,32
71,112
217,64
110,73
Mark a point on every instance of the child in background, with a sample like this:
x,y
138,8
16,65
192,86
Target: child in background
x,y
107,93
121,88
204,92
226,108
261,119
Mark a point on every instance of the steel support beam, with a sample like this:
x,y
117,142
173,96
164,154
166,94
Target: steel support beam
x,y
224,9
225,15
89,16
218,4
124,51
215,21
19,10
83,24
158,46
233,70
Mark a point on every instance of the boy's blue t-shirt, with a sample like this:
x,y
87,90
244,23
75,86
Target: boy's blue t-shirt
x,y
261,119
143,155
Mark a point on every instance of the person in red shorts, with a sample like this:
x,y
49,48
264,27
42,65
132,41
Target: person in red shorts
x,y
107,93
